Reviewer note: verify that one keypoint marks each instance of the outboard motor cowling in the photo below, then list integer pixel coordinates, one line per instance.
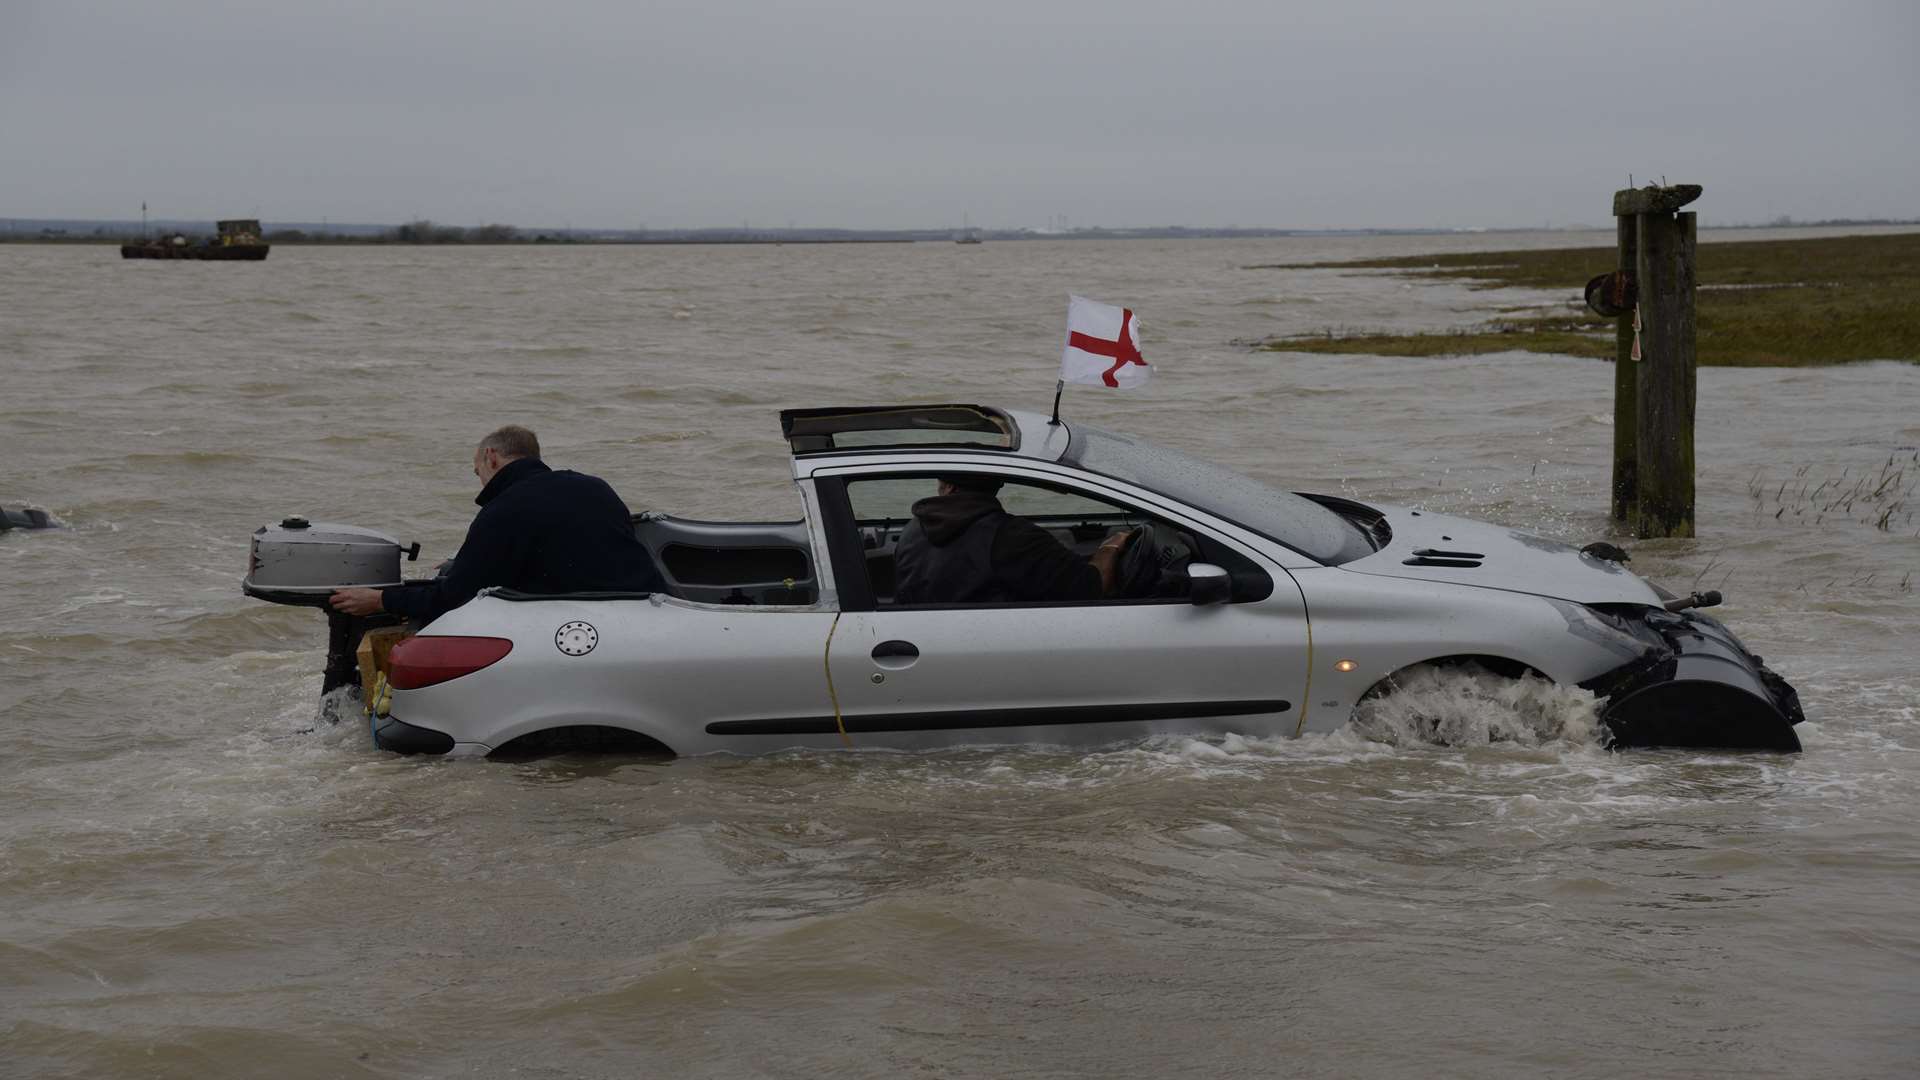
(301, 562)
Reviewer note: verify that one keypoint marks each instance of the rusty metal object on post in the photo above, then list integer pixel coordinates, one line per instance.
(1613, 294)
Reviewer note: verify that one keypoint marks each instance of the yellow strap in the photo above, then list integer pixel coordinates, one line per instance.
(831, 695)
(1306, 693)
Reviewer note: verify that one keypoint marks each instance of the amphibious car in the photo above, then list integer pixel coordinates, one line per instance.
(1240, 608)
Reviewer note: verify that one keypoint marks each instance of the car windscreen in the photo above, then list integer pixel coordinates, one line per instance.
(1301, 524)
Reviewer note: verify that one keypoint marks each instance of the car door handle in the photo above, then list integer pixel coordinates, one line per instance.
(895, 654)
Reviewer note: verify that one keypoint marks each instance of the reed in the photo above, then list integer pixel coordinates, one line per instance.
(1883, 498)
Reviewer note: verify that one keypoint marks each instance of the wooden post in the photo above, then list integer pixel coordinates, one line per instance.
(1665, 376)
(1626, 389)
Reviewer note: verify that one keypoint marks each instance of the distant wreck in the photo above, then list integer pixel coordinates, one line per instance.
(24, 519)
(238, 240)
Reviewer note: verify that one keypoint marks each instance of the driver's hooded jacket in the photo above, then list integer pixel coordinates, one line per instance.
(538, 531)
(964, 548)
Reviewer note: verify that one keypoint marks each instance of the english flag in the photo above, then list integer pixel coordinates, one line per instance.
(1103, 346)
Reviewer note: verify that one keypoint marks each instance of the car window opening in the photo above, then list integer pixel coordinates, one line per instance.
(746, 563)
(1080, 522)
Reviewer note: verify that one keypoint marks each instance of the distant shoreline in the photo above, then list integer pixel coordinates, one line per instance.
(1797, 302)
(429, 233)
(435, 235)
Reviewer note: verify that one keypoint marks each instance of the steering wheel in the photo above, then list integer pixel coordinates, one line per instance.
(1155, 563)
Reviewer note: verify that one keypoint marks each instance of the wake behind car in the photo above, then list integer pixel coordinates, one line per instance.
(1238, 608)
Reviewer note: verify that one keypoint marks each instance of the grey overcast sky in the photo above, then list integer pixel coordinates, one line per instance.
(896, 113)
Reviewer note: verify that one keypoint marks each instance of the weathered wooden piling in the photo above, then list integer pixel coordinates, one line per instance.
(1626, 386)
(1655, 379)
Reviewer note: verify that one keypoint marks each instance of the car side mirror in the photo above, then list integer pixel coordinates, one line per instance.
(1208, 584)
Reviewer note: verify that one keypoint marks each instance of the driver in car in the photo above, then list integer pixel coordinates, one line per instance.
(962, 547)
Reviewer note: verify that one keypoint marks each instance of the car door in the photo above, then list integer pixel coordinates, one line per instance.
(910, 677)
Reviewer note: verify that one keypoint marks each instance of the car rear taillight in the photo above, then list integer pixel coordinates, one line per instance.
(424, 661)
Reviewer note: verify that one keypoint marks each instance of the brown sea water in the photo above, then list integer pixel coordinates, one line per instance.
(197, 879)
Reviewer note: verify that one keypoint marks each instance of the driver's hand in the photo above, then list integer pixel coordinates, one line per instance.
(1106, 559)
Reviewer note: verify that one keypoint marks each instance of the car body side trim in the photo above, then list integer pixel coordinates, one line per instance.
(996, 718)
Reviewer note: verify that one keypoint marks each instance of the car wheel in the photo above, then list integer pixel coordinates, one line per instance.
(1470, 702)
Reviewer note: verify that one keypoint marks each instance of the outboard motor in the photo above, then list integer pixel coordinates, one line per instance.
(301, 563)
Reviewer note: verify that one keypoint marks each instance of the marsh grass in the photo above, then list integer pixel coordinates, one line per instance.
(1768, 303)
(1883, 498)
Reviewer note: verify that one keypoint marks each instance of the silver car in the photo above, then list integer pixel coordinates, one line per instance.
(1239, 609)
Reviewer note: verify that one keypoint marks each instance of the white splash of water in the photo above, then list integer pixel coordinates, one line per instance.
(343, 706)
(1471, 706)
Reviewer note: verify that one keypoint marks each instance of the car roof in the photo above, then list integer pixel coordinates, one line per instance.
(921, 429)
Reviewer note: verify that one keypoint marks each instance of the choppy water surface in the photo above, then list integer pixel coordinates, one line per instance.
(196, 880)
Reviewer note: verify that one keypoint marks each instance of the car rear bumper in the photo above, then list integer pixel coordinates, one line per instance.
(404, 738)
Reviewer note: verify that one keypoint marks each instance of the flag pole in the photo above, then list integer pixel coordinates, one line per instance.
(1058, 386)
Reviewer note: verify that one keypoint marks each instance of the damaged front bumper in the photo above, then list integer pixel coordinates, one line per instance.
(1695, 685)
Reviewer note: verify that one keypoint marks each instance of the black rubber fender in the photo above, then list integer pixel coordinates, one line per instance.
(1699, 713)
(1707, 691)
(403, 738)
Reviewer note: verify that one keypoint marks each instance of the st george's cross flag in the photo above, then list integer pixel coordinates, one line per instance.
(1103, 346)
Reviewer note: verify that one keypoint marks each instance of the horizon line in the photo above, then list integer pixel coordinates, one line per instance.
(325, 223)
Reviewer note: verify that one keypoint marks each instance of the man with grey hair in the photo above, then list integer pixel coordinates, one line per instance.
(538, 531)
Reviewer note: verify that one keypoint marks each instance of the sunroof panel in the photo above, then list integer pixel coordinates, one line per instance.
(814, 431)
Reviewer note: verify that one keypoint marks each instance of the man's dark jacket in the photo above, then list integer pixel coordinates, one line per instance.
(538, 531)
(965, 548)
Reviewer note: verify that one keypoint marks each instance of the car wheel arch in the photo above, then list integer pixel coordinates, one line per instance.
(590, 725)
(1503, 666)
(568, 738)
